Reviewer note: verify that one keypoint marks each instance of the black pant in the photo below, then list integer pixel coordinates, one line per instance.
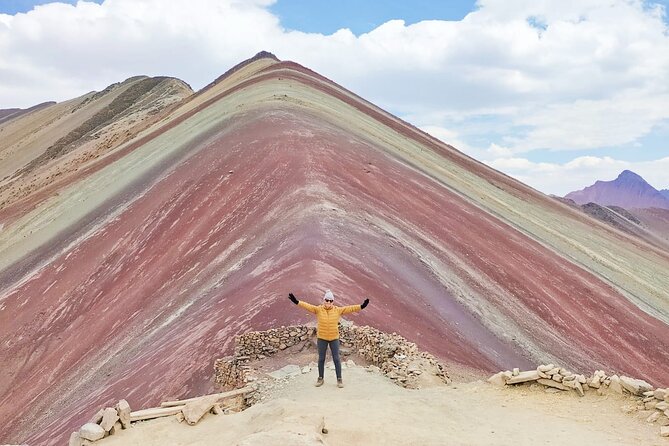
(322, 349)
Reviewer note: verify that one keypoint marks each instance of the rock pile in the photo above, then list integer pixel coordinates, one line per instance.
(231, 371)
(396, 357)
(556, 379)
(105, 422)
(111, 420)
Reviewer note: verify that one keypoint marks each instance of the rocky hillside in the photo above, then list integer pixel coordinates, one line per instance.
(41, 149)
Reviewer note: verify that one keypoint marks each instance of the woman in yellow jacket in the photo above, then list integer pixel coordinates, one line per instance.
(328, 330)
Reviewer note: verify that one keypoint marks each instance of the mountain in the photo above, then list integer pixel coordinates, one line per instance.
(12, 113)
(650, 225)
(152, 224)
(665, 193)
(628, 191)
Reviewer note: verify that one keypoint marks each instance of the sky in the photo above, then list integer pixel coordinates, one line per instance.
(555, 93)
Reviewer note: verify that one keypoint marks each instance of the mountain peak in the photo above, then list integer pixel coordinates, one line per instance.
(629, 190)
(628, 175)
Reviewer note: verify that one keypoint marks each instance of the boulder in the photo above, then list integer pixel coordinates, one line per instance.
(516, 371)
(574, 384)
(123, 409)
(522, 377)
(557, 378)
(551, 383)
(653, 417)
(663, 420)
(660, 394)
(635, 386)
(97, 417)
(109, 417)
(594, 382)
(498, 379)
(116, 428)
(195, 410)
(662, 406)
(553, 371)
(650, 405)
(75, 439)
(545, 368)
(615, 385)
(664, 431)
(92, 432)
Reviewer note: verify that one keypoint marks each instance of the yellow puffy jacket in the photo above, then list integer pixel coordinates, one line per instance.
(328, 320)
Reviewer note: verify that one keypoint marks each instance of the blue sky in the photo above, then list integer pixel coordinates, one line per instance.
(557, 94)
(326, 17)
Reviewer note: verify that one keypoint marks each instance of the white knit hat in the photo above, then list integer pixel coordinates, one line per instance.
(328, 295)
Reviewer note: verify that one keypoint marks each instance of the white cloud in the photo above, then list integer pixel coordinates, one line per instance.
(513, 76)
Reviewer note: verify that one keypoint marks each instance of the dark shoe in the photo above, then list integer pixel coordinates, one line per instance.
(319, 382)
(340, 383)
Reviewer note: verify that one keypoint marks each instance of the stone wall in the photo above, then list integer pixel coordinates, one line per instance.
(396, 357)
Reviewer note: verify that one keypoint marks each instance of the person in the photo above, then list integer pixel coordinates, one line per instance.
(328, 330)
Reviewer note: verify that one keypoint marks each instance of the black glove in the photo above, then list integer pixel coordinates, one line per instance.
(292, 298)
(364, 304)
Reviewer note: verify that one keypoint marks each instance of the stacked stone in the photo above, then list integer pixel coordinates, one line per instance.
(260, 344)
(105, 422)
(230, 371)
(658, 401)
(560, 379)
(396, 357)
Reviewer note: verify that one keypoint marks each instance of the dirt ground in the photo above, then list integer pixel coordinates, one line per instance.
(371, 410)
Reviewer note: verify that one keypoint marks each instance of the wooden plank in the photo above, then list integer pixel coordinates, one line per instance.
(154, 412)
(531, 375)
(222, 395)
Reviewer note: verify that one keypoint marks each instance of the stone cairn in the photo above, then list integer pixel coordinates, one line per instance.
(558, 379)
(392, 354)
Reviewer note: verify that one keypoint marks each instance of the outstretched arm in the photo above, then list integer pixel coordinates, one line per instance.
(310, 308)
(354, 308)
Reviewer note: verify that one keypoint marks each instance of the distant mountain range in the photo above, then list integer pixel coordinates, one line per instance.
(629, 191)
(11, 113)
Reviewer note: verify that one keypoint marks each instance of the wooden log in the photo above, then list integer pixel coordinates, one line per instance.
(220, 396)
(531, 375)
(154, 412)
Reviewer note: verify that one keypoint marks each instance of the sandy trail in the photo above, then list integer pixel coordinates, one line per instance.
(372, 410)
